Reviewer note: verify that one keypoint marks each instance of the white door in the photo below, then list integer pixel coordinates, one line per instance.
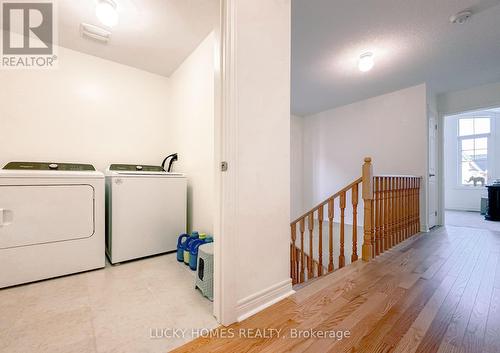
(432, 189)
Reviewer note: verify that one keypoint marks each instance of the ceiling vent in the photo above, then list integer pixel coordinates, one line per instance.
(461, 17)
(93, 32)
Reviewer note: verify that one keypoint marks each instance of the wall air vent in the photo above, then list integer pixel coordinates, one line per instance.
(96, 33)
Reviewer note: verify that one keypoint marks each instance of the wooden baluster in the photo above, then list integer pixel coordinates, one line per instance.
(355, 199)
(386, 214)
(392, 211)
(403, 208)
(367, 194)
(411, 207)
(302, 257)
(375, 212)
(320, 241)
(306, 265)
(297, 264)
(395, 211)
(330, 235)
(408, 204)
(378, 213)
(418, 204)
(342, 230)
(310, 223)
(408, 201)
(389, 212)
(292, 254)
(408, 208)
(415, 210)
(398, 210)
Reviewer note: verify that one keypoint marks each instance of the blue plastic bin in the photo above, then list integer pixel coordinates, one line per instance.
(187, 246)
(182, 243)
(193, 251)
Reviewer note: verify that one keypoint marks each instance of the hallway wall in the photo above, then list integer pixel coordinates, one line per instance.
(392, 129)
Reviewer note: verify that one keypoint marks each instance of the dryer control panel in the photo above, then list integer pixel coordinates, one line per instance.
(69, 167)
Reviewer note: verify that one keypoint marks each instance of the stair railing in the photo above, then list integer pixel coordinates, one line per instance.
(391, 206)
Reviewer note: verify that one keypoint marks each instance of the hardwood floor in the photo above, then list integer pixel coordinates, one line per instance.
(438, 292)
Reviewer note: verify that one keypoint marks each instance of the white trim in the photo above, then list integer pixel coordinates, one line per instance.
(226, 220)
(463, 209)
(256, 302)
(217, 307)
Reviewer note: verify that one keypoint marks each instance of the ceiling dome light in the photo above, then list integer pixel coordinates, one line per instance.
(106, 12)
(366, 62)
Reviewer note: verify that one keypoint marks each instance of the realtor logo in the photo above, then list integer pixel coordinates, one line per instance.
(28, 34)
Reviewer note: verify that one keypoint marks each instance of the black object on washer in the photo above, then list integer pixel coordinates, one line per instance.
(493, 210)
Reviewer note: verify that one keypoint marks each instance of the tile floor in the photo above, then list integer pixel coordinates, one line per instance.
(108, 310)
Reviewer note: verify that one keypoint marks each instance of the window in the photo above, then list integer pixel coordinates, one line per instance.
(473, 136)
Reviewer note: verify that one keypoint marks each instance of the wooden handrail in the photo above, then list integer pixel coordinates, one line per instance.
(334, 196)
(391, 205)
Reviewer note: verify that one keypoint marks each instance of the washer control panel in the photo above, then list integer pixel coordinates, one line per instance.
(135, 168)
(66, 167)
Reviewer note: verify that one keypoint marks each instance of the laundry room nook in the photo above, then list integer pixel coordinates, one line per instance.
(107, 180)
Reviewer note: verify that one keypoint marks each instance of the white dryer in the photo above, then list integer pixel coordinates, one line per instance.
(146, 211)
(51, 221)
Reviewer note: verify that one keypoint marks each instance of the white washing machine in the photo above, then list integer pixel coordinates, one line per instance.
(51, 221)
(146, 211)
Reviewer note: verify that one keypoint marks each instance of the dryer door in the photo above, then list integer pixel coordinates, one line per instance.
(38, 214)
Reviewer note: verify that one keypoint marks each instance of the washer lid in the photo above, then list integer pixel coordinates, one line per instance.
(135, 168)
(49, 170)
(139, 170)
(64, 167)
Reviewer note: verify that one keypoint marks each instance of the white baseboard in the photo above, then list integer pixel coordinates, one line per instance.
(256, 302)
(466, 209)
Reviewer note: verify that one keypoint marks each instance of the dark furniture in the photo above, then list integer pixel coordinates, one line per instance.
(493, 210)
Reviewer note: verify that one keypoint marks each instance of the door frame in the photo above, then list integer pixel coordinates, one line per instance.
(441, 117)
(432, 113)
(225, 126)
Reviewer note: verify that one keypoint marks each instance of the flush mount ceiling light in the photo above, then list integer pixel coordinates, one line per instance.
(461, 17)
(106, 12)
(366, 62)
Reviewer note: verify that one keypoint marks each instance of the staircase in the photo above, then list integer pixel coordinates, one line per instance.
(391, 214)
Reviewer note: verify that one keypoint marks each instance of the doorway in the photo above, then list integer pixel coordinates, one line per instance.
(470, 163)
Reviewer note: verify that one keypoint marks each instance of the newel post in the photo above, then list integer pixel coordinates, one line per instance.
(367, 193)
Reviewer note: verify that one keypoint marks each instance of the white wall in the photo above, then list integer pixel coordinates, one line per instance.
(192, 112)
(458, 197)
(486, 96)
(89, 110)
(391, 128)
(296, 167)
